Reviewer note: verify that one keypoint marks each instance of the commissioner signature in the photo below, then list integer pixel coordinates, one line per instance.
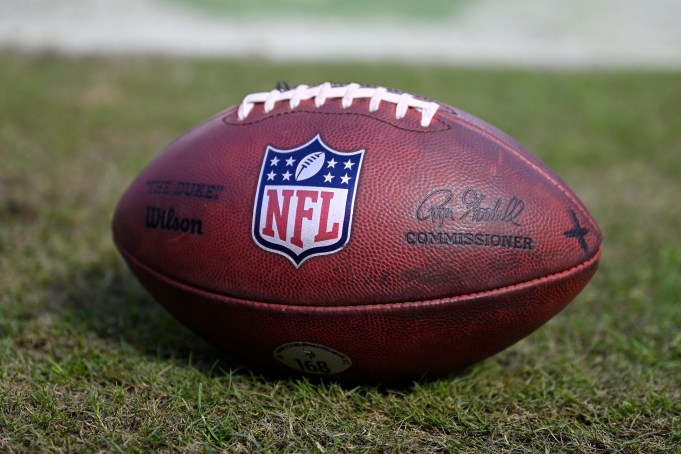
(438, 207)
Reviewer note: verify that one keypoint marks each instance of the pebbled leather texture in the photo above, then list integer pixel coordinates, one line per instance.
(461, 241)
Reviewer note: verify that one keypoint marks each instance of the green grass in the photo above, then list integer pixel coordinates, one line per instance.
(315, 10)
(90, 363)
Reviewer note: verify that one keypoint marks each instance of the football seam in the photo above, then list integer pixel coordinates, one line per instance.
(382, 306)
(444, 124)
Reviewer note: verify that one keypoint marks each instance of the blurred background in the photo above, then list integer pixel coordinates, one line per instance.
(519, 33)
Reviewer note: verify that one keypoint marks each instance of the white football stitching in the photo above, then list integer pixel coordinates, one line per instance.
(347, 94)
(310, 165)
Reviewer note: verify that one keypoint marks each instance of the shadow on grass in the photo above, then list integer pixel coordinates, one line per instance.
(105, 299)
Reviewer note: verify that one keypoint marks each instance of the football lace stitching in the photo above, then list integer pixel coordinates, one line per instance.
(346, 93)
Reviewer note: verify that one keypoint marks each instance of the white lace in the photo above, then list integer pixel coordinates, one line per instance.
(347, 94)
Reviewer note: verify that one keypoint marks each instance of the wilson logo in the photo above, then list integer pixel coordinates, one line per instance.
(305, 199)
(167, 219)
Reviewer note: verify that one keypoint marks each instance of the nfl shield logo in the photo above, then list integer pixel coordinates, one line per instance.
(305, 198)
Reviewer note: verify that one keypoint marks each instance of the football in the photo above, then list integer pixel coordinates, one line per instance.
(355, 232)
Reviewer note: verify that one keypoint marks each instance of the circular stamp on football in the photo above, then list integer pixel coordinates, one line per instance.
(312, 358)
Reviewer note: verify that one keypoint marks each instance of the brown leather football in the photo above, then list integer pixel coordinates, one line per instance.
(355, 232)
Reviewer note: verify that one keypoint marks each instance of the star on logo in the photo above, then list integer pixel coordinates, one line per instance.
(271, 175)
(274, 161)
(345, 179)
(328, 177)
(287, 175)
(290, 161)
(332, 163)
(577, 232)
(348, 164)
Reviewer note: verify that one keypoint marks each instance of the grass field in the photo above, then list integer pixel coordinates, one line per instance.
(407, 10)
(90, 363)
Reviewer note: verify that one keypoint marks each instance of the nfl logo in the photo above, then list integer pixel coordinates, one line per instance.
(305, 198)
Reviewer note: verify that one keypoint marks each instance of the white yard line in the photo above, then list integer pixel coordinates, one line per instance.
(545, 33)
